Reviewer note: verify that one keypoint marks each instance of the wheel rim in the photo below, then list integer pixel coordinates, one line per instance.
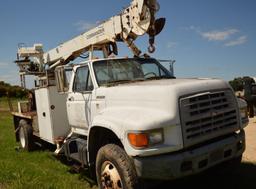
(22, 138)
(110, 178)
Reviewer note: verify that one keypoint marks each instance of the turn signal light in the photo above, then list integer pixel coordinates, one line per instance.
(138, 140)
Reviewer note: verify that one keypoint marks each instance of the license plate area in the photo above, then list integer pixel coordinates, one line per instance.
(216, 155)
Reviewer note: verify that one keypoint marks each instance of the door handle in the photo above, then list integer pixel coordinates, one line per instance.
(71, 98)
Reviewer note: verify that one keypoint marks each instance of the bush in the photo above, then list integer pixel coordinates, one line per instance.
(12, 91)
(237, 84)
(2, 91)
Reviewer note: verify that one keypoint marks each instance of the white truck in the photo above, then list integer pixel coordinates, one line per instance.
(127, 118)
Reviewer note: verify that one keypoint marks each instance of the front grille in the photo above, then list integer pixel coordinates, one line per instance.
(208, 115)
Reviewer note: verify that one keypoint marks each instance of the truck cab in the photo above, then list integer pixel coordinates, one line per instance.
(92, 82)
(180, 126)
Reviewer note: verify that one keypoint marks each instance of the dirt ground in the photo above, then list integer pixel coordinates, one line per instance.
(250, 152)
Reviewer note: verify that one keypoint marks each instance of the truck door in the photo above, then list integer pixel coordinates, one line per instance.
(79, 100)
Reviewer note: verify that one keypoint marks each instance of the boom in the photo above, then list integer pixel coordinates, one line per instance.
(136, 20)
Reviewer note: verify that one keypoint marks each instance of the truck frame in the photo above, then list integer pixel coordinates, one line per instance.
(127, 118)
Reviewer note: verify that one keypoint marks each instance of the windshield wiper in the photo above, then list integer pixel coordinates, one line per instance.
(159, 77)
(117, 82)
(121, 81)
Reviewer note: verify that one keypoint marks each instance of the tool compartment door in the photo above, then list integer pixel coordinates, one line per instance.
(52, 114)
(44, 114)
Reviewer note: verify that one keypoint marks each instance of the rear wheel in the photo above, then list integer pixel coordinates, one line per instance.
(115, 169)
(26, 136)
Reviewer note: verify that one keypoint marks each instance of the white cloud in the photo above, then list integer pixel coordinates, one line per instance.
(194, 28)
(85, 25)
(11, 77)
(227, 36)
(9, 72)
(214, 69)
(171, 45)
(239, 41)
(217, 35)
(4, 64)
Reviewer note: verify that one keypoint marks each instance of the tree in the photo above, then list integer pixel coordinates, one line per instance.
(237, 84)
(12, 91)
(2, 91)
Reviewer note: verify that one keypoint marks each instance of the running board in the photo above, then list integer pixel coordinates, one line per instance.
(60, 142)
(76, 149)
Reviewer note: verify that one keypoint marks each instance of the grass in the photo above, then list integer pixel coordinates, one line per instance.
(38, 169)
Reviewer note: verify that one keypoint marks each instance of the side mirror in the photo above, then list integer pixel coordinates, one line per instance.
(62, 80)
(90, 88)
(169, 65)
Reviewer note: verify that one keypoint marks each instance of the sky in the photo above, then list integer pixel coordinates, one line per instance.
(207, 38)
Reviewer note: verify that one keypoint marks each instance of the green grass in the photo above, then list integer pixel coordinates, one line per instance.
(4, 105)
(38, 169)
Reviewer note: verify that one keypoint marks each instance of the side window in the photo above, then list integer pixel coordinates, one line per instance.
(83, 80)
(150, 69)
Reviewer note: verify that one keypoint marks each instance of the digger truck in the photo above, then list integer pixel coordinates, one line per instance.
(127, 119)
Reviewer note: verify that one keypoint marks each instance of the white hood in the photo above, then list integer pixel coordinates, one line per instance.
(157, 98)
(155, 89)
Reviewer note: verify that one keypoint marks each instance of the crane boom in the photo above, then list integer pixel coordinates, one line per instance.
(134, 21)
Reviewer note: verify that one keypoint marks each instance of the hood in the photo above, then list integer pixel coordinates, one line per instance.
(155, 90)
(152, 103)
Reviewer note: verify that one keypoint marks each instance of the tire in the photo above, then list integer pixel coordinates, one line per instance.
(26, 136)
(114, 169)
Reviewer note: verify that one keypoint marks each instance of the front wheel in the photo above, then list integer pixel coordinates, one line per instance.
(114, 169)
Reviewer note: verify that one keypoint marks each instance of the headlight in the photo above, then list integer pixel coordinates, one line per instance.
(146, 139)
(243, 112)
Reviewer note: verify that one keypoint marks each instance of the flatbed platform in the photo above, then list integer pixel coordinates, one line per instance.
(27, 115)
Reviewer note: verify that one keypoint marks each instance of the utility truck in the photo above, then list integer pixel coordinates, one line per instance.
(127, 118)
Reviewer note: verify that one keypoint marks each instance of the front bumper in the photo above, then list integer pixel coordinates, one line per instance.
(179, 164)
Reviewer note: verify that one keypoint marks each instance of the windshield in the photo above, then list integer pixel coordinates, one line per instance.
(128, 70)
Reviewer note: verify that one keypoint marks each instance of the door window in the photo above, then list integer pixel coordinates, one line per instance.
(83, 80)
(151, 70)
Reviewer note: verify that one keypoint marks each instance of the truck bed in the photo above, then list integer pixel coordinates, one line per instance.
(27, 115)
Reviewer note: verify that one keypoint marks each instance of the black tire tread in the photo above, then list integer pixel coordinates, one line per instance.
(124, 164)
(28, 132)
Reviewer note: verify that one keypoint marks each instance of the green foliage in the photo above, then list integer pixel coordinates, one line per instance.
(237, 84)
(38, 169)
(12, 91)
